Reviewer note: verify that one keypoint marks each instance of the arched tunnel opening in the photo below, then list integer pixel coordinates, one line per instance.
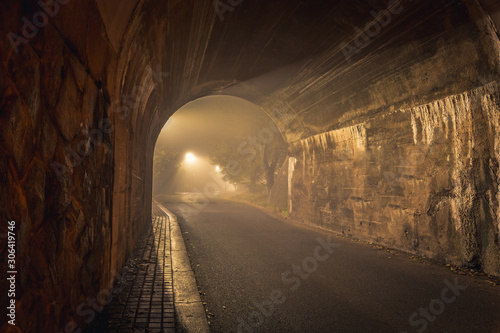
(219, 147)
(380, 211)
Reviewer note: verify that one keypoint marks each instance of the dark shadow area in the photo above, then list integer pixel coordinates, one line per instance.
(142, 298)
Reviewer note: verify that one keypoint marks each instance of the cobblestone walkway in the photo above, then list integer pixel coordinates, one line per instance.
(143, 298)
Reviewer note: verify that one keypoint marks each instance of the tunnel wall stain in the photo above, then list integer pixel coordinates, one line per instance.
(423, 179)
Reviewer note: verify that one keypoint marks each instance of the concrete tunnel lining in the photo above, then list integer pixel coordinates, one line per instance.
(436, 73)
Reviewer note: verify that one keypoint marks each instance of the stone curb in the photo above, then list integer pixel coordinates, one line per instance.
(189, 310)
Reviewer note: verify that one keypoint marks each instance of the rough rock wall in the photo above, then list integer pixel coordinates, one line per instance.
(423, 179)
(415, 59)
(403, 178)
(57, 161)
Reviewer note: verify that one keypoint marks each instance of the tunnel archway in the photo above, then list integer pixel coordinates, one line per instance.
(85, 96)
(209, 123)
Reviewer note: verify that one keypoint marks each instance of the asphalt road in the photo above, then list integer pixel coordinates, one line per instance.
(260, 274)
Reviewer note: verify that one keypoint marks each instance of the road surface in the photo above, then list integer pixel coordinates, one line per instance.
(260, 274)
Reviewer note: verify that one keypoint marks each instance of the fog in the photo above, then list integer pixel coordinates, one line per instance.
(188, 139)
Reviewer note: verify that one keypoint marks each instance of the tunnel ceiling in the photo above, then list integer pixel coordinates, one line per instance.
(286, 56)
(283, 57)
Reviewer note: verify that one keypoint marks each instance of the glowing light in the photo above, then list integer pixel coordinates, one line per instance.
(217, 168)
(190, 158)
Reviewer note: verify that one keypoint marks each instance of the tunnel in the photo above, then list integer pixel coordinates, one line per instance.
(389, 111)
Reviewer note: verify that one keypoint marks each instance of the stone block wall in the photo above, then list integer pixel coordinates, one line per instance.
(56, 165)
(423, 179)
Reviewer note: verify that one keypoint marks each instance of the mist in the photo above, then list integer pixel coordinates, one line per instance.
(188, 140)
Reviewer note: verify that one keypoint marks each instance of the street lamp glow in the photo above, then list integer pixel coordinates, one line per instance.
(190, 158)
(217, 168)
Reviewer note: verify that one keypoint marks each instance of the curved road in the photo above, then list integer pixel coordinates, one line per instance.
(260, 274)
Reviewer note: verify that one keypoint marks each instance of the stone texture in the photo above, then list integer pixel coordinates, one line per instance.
(34, 188)
(67, 114)
(369, 133)
(47, 141)
(417, 179)
(17, 133)
(51, 64)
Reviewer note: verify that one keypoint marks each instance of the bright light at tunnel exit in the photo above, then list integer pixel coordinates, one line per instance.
(190, 158)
